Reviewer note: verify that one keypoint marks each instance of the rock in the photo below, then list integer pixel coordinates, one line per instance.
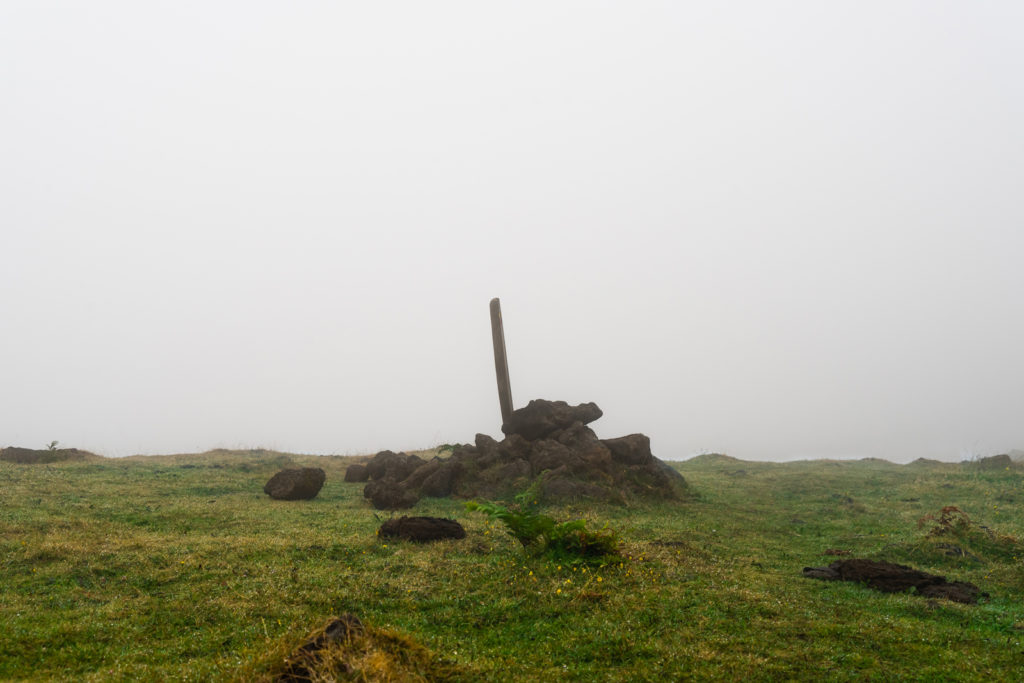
(892, 578)
(540, 418)
(386, 494)
(422, 529)
(296, 484)
(548, 454)
(439, 483)
(394, 466)
(357, 473)
(421, 473)
(576, 436)
(634, 449)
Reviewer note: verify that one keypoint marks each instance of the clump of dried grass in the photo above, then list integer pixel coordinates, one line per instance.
(345, 649)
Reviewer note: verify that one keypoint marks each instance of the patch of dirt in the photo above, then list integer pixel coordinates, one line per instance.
(546, 441)
(31, 456)
(888, 577)
(348, 649)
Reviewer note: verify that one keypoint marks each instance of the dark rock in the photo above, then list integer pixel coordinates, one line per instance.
(514, 447)
(295, 484)
(386, 494)
(891, 578)
(550, 455)
(517, 469)
(422, 529)
(357, 473)
(420, 474)
(634, 449)
(540, 418)
(440, 483)
(378, 464)
(394, 466)
(485, 444)
(576, 436)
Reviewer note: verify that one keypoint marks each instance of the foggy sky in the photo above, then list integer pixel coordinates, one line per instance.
(772, 229)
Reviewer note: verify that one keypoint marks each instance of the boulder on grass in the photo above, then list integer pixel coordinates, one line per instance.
(357, 473)
(296, 484)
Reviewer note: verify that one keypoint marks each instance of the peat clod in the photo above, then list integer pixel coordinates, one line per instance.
(32, 456)
(301, 483)
(421, 529)
(546, 441)
(893, 578)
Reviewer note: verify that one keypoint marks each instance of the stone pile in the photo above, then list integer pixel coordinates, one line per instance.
(546, 441)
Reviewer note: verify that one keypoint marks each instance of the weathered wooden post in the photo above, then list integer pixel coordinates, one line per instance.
(501, 361)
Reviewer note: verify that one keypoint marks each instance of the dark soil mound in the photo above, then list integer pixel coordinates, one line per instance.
(546, 441)
(893, 578)
(422, 529)
(29, 456)
(295, 484)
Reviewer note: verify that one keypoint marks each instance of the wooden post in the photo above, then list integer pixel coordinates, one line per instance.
(501, 361)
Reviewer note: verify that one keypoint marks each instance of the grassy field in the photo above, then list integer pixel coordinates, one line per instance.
(180, 568)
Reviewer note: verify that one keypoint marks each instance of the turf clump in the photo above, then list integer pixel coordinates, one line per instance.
(346, 649)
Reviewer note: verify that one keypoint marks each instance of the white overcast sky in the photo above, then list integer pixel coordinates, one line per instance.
(772, 229)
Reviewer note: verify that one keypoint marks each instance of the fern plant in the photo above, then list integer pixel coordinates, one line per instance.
(544, 535)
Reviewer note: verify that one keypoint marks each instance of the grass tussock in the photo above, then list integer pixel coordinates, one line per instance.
(345, 649)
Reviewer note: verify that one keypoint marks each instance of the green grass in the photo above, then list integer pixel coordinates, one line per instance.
(180, 568)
